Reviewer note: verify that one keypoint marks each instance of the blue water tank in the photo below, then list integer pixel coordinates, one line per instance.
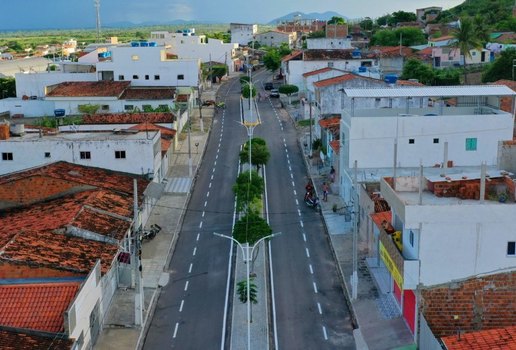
(390, 78)
(59, 112)
(153, 44)
(135, 44)
(144, 44)
(356, 54)
(362, 69)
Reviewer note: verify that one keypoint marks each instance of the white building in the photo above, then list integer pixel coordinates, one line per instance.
(147, 66)
(328, 43)
(298, 63)
(193, 46)
(425, 131)
(274, 38)
(242, 33)
(129, 151)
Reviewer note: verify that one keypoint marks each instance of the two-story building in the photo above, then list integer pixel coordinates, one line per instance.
(275, 38)
(242, 33)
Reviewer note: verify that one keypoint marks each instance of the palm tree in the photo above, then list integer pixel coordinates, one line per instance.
(466, 40)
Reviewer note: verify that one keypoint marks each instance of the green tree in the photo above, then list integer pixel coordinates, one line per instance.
(288, 90)
(383, 20)
(251, 228)
(449, 76)
(244, 79)
(272, 60)
(242, 291)
(366, 24)
(7, 87)
(247, 192)
(284, 50)
(480, 29)
(218, 71)
(466, 40)
(259, 152)
(317, 34)
(415, 69)
(248, 90)
(336, 20)
(501, 68)
(401, 16)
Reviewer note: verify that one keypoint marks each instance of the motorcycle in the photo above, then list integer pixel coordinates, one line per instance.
(150, 234)
(313, 202)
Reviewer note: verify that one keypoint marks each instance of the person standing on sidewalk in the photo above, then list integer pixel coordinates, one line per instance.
(325, 189)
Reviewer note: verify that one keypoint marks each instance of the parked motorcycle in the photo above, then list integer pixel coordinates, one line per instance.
(313, 202)
(151, 233)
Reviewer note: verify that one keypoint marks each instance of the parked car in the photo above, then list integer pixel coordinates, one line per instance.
(274, 93)
(268, 86)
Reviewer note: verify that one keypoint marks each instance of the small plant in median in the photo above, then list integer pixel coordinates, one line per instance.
(247, 192)
(242, 291)
(259, 152)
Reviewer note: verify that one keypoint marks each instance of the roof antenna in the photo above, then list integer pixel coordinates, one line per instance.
(97, 7)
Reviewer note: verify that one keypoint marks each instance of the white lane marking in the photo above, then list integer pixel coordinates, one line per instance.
(319, 307)
(208, 194)
(175, 330)
(209, 186)
(194, 251)
(289, 168)
(284, 141)
(299, 212)
(211, 177)
(304, 237)
(181, 306)
(307, 252)
(292, 176)
(297, 202)
(324, 332)
(311, 269)
(190, 268)
(315, 288)
(186, 286)
(288, 161)
(205, 203)
(198, 235)
(287, 156)
(293, 184)
(301, 223)
(200, 224)
(217, 156)
(203, 213)
(213, 170)
(215, 163)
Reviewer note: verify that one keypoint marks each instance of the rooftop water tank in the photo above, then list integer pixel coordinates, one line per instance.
(390, 78)
(59, 112)
(153, 44)
(356, 54)
(135, 44)
(362, 69)
(144, 44)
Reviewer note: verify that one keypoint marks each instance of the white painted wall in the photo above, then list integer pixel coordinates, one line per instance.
(295, 70)
(275, 38)
(462, 240)
(29, 108)
(34, 84)
(242, 33)
(128, 61)
(143, 155)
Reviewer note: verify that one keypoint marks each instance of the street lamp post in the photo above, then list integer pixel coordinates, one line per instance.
(250, 123)
(247, 256)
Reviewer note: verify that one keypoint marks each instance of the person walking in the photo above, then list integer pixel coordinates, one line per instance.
(325, 189)
(332, 174)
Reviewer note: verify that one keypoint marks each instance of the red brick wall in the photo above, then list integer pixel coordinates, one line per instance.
(33, 188)
(9, 270)
(336, 31)
(481, 303)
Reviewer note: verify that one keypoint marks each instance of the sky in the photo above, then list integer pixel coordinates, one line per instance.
(41, 14)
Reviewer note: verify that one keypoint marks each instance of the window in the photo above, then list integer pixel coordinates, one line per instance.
(411, 238)
(180, 77)
(47, 154)
(436, 140)
(7, 156)
(135, 76)
(156, 77)
(135, 57)
(511, 248)
(105, 107)
(330, 64)
(471, 144)
(120, 154)
(128, 107)
(85, 155)
(121, 77)
(146, 77)
(411, 141)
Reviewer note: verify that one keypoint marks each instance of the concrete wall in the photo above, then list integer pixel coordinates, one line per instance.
(27, 108)
(242, 33)
(107, 105)
(130, 61)
(328, 43)
(34, 84)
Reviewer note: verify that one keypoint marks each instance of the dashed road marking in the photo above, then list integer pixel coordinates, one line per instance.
(181, 306)
(319, 308)
(307, 252)
(186, 286)
(190, 268)
(324, 332)
(198, 235)
(304, 237)
(311, 269)
(194, 251)
(175, 330)
(315, 288)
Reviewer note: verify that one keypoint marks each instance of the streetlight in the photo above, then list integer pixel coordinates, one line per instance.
(250, 123)
(247, 256)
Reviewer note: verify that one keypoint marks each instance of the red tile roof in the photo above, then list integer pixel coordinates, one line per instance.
(335, 80)
(324, 55)
(167, 134)
(327, 123)
(335, 145)
(318, 71)
(509, 83)
(380, 217)
(16, 339)
(442, 38)
(38, 306)
(89, 89)
(148, 94)
(129, 118)
(493, 339)
(293, 54)
(389, 51)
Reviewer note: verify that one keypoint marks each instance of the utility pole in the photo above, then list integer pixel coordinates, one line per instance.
(136, 259)
(310, 107)
(97, 8)
(354, 277)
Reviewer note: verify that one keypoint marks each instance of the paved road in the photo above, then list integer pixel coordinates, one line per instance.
(311, 309)
(191, 308)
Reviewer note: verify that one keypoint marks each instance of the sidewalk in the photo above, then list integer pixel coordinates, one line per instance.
(119, 329)
(379, 323)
